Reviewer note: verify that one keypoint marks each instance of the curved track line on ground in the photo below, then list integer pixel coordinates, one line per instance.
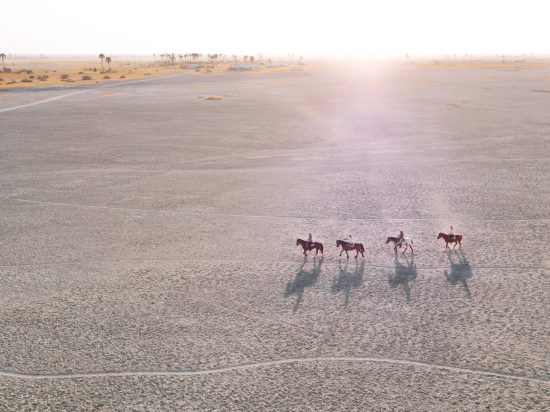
(251, 216)
(191, 372)
(51, 99)
(88, 89)
(235, 261)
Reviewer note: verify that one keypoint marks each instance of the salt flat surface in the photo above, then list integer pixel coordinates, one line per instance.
(148, 257)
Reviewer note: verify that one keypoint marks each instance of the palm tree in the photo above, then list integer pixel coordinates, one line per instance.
(194, 56)
(251, 59)
(101, 56)
(108, 60)
(3, 56)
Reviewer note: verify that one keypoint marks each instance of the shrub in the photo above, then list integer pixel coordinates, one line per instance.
(87, 77)
(31, 77)
(64, 76)
(7, 70)
(147, 74)
(12, 82)
(26, 81)
(106, 77)
(1, 80)
(80, 72)
(95, 70)
(122, 77)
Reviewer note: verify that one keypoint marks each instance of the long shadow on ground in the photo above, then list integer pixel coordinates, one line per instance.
(460, 270)
(404, 274)
(302, 280)
(348, 280)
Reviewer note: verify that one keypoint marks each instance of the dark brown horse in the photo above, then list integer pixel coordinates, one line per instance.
(310, 246)
(456, 240)
(358, 247)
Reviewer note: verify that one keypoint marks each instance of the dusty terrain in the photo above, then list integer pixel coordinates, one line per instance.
(148, 257)
(40, 72)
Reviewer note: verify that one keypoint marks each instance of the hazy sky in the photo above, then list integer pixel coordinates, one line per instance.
(332, 27)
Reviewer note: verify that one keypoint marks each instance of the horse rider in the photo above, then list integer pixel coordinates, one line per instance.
(310, 241)
(349, 240)
(452, 234)
(400, 238)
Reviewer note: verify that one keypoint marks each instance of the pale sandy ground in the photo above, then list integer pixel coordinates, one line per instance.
(48, 71)
(147, 254)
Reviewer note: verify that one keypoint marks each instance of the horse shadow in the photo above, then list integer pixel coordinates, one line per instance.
(461, 270)
(404, 274)
(302, 280)
(348, 280)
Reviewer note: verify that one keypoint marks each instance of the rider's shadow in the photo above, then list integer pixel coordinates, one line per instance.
(303, 279)
(461, 270)
(404, 274)
(348, 280)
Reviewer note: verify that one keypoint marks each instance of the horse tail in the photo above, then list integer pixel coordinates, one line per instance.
(412, 242)
(321, 248)
(362, 247)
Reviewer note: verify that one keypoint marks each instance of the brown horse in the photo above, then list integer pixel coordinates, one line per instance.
(358, 247)
(457, 239)
(307, 246)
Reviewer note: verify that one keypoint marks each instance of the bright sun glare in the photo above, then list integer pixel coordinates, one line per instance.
(339, 28)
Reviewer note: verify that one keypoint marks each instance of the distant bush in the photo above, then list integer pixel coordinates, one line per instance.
(64, 77)
(1, 80)
(26, 81)
(87, 77)
(95, 70)
(147, 74)
(7, 70)
(80, 72)
(122, 77)
(31, 77)
(106, 77)
(11, 82)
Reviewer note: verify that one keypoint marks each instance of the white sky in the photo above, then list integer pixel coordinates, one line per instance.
(341, 28)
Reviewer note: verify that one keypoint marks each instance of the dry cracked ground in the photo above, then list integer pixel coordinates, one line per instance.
(148, 256)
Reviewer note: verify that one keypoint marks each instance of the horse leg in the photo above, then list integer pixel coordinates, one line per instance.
(459, 245)
(341, 252)
(406, 246)
(395, 249)
(347, 255)
(446, 245)
(356, 253)
(454, 245)
(412, 251)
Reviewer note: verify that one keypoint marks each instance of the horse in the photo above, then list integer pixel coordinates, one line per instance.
(399, 242)
(307, 247)
(447, 239)
(358, 247)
